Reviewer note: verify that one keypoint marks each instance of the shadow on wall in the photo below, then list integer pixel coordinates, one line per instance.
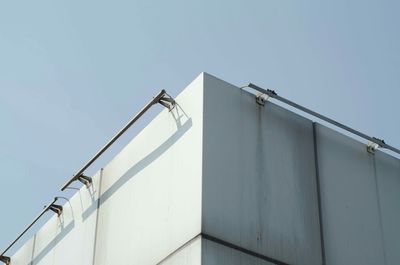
(182, 128)
(64, 231)
(147, 160)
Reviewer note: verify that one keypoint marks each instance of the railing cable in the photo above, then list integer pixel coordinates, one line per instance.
(273, 94)
(162, 98)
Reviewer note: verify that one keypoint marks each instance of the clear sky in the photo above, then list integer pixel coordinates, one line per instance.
(73, 72)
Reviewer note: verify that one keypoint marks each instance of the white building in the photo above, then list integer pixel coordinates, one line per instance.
(221, 179)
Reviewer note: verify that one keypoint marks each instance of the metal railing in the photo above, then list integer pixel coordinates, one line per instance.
(167, 101)
(52, 206)
(273, 94)
(161, 98)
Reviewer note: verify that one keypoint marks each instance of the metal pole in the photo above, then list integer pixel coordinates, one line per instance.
(155, 100)
(162, 97)
(272, 94)
(45, 209)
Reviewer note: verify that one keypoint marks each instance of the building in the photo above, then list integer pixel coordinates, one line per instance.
(221, 179)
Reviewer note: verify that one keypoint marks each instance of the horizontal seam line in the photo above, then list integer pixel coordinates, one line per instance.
(178, 249)
(243, 250)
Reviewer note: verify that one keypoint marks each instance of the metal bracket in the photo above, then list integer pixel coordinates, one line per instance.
(167, 101)
(261, 98)
(372, 146)
(5, 260)
(56, 208)
(85, 180)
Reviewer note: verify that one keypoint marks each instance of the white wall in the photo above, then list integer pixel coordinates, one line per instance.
(259, 177)
(25, 254)
(142, 206)
(221, 166)
(150, 201)
(359, 200)
(68, 239)
(388, 195)
(188, 254)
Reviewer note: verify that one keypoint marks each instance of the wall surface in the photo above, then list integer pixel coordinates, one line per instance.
(215, 254)
(150, 202)
(259, 177)
(68, 239)
(143, 205)
(223, 180)
(359, 201)
(188, 254)
(202, 251)
(293, 190)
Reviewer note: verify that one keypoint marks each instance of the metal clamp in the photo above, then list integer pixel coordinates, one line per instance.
(372, 146)
(85, 180)
(261, 98)
(6, 260)
(167, 101)
(56, 208)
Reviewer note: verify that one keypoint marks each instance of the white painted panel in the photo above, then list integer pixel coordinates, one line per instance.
(188, 254)
(388, 179)
(259, 177)
(150, 200)
(350, 215)
(24, 255)
(202, 251)
(45, 241)
(70, 238)
(77, 235)
(248, 178)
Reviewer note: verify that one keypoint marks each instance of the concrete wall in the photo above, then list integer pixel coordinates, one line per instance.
(68, 239)
(188, 254)
(24, 255)
(223, 180)
(215, 254)
(150, 201)
(359, 201)
(142, 206)
(203, 251)
(259, 177)
(388, 196)
(294, 190)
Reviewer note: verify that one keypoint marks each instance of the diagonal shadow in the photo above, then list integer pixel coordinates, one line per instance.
(181, 130)
(64, 231)
(147, 160)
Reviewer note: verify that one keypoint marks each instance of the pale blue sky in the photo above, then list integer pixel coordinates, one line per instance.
(73, 72)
